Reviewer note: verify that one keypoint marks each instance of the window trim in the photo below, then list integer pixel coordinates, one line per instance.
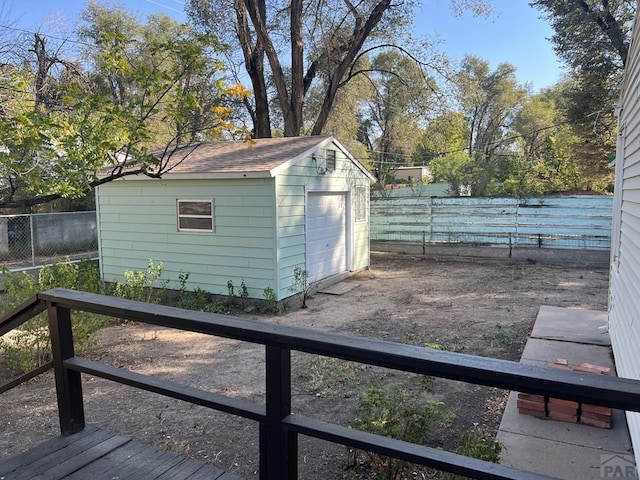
(330, 160)
(360, 194)
(195, 200)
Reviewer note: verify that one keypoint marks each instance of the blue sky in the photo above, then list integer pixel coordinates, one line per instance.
(513, 34)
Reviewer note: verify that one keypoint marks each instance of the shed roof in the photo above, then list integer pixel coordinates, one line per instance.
(264, 157)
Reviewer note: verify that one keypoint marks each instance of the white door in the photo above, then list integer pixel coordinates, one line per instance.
(326, 234)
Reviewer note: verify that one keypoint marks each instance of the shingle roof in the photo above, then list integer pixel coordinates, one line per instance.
(260, 155)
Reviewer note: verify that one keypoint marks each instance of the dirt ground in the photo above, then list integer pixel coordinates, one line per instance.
(484, 309)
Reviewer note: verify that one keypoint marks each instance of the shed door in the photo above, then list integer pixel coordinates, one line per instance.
(326, 234)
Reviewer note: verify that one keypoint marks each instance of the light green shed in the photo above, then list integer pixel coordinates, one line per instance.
(242, 212)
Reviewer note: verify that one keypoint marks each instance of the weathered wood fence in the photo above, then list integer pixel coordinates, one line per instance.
(581, 222)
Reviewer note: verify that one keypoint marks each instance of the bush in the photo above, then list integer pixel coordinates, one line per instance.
(140, 285)
(393, 411)
(28, 346)
(476, 445)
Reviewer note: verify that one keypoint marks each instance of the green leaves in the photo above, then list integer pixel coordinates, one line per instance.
(150, 87)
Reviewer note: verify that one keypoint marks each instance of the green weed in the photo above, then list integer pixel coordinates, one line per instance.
(332, 378)
(271, 300)
(395, 412)
(141, 285)
(29, 346)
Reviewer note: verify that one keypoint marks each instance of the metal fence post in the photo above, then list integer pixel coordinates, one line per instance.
(278, 448)
(68, 382)
(33, 243)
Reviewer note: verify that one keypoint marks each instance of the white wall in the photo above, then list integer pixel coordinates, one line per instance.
(624, 301)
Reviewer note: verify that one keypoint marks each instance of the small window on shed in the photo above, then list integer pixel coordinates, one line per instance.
(331, 160)
(361, 204)
(195, 215)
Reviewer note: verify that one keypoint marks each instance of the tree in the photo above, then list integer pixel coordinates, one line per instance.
(590, 35)
(323, 39)
(446, 133)
(62, 132)
(390, 120)
(592, 38)
(459, 169)
(536, 121)
(547, 156)
(490, 101)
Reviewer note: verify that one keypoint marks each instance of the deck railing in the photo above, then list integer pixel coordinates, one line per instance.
(278, 426)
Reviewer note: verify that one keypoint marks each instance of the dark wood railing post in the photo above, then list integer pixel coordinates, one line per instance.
(68, 382)
(278, 448)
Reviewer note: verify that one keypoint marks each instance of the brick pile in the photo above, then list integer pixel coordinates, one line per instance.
(567, 410)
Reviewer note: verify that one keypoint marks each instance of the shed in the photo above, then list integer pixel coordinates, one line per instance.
(624, 301)
(242, 212)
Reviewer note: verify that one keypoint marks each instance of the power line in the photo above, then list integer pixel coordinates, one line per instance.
(497, 142)
(46, 35)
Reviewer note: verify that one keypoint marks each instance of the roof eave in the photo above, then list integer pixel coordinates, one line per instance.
(202, 176)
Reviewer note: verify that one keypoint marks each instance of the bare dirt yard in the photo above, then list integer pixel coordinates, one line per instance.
(483, 309)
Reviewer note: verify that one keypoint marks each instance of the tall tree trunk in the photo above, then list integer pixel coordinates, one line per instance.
(335, 81)
(39, 48)
(257, 12)
(297, 66)
(253, 53)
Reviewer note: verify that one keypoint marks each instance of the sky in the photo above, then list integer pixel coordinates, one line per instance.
(514, 33)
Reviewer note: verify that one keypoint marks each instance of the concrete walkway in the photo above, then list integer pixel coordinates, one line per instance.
(568, 451)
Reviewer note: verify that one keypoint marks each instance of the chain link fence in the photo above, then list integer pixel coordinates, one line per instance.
(45, 238)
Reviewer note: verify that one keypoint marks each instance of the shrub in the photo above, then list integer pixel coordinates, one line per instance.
(395, 412)
(141, 285)
(271, 299)
(476, 445)
(28, 346)
(300, 284)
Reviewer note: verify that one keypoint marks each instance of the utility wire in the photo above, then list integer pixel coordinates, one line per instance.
(497, 142)
(46, 35)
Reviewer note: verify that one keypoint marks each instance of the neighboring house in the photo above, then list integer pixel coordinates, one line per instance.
(242, 212)
(624, 301)
(413, 174)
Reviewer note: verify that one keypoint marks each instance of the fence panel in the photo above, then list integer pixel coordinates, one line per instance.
(572, 222)
(38, 239)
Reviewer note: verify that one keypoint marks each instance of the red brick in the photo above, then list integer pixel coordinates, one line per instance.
(596, 416)
(561, 409)
(531, 398)
(601, 369)
(596, 423)
(561, 361)
(531, 405)
(586, 408)
(563, 403)
(588, 368)
(533, 413)
(563, 417)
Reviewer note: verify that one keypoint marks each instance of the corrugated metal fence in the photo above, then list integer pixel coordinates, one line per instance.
(573, 222)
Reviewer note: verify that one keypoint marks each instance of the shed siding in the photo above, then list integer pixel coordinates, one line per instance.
(291, 188)
(241, 248)
(624, 303)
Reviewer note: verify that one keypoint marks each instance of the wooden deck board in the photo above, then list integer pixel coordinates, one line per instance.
(100, 455)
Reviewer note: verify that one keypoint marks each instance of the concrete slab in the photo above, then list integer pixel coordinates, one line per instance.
(567, 451)
(541, 352)
(549, 457)
(571, 325)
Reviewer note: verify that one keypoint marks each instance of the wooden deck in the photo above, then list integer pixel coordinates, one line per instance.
(97, 454)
